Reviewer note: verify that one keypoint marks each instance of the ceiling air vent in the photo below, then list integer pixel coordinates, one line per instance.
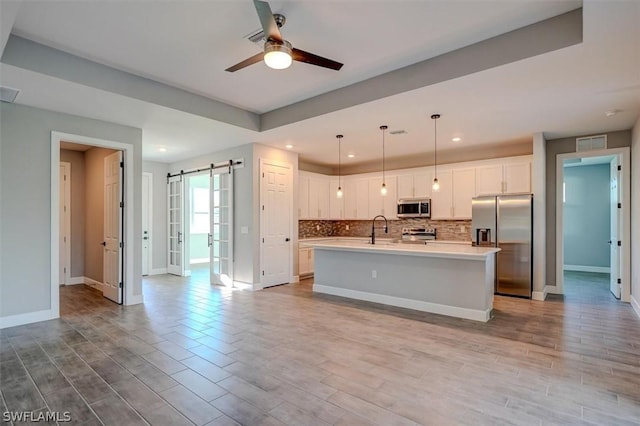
(7, 94)
(590, 143)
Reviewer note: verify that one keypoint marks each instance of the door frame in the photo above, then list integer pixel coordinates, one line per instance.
(625, 225)
(292, 217)
(149, 176)
(128, 223)
(67, 223)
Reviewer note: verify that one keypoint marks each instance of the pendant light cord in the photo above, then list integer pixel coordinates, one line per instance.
(383, 128)
(435, 117)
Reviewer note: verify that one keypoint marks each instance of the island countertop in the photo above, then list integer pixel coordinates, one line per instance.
(431, 249)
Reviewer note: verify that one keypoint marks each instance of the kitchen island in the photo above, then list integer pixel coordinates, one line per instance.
(448, 279)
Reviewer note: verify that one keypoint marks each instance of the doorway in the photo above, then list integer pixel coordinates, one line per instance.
(593, 224)
(113, 163)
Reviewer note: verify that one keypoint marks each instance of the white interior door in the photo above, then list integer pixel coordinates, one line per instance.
(275, 223)
(175, 217)
(221, 234)
(615, 229)
(147, 182)
(65, 222)
(112, 258)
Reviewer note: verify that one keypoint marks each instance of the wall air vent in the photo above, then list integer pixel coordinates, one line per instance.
(398, 132)
(590, 143)
(7, 94)
(256, 37)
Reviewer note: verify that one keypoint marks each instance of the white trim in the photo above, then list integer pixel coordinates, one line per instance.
(150, 222)
(587, 268)
(245, 286)
(296, 279)
(92, 282)
(67, 223)
(199, 260)
(540, 295)
(625, 183)
(635, 305)
(129, 171)
(158, 271)
(552, 289)
(136, 299)
(20, 319)
(419, 305)
(76, 280)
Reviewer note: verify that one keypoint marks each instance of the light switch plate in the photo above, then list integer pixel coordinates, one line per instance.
(244, 229)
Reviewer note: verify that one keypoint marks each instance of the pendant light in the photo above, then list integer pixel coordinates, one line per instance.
(383, 188)
(339, 192)
(436, 184)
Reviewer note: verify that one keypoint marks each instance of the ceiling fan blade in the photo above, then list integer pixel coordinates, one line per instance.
(249, 61)
(310, 58)
(269, 26)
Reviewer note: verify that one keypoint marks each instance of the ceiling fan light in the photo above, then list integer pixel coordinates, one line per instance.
(277, 55)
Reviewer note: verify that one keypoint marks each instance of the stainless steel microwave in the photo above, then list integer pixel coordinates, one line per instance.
(414, 207)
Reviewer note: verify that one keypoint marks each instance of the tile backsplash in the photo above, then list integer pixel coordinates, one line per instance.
(455, 230)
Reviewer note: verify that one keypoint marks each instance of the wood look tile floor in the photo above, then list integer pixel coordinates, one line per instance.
(200, 354)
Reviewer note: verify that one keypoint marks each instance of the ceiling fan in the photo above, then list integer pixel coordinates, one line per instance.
(278, 52)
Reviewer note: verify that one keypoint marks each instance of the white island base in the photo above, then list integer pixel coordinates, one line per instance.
(457, 281)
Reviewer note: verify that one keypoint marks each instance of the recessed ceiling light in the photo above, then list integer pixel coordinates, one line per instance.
(457, 139)
(351, 155)
(162, 149)
(288, 146)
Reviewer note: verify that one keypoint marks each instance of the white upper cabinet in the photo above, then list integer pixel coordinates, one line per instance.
(385, 205)
(416, 185)
(303, 197)
(442, 200)
(405, 186)
(503, 179)
(362, 199)
(464, 184)
(336, 205)
(517, 177)
(349, 197)
(318, 198)
(489, 180)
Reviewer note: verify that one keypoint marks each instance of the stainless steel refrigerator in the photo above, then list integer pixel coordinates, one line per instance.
(506, 221)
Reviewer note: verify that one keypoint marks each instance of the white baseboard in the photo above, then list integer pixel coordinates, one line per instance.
(93, 283)
(28, 318)
(76, 280)
(540, 295)
(419, 305)
(243, 286)
(200, 260)
(295, 279)
(552, 289)
(635, 305)
(585, 268)
(136, 299)
(158, 271)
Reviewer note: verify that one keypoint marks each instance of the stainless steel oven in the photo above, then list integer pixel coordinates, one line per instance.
(414, 207)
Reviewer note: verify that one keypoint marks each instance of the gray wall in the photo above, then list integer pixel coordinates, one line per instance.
(25, 185)
(76, 158)
(159, 214)
(635, 215)
(587, 215)
(617, 139)
(94, 212)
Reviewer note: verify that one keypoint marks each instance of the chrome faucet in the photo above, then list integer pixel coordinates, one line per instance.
(373, 228)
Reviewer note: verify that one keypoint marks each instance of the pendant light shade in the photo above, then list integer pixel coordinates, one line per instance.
(383, 188)
(339, 192)
(436, 184)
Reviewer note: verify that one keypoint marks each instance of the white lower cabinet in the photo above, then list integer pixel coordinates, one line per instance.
(305, 261)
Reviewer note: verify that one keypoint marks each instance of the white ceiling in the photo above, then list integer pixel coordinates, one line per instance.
(189, 44)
